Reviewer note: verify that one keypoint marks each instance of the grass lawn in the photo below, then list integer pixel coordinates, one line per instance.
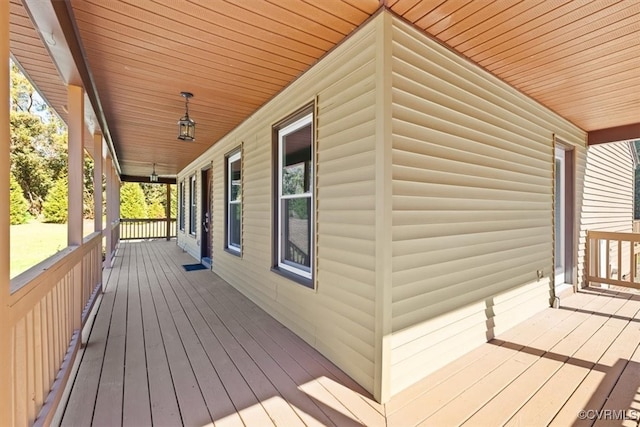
(36, 241)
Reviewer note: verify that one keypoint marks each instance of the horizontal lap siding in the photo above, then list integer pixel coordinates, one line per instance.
(607, 203)
(472, 205)
(338, 318)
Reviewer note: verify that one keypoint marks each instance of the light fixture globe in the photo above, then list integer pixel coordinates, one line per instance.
(186, 126)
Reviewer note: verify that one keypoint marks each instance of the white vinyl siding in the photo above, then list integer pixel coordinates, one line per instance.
(472, 205)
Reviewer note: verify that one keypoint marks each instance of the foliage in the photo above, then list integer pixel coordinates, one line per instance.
(132, 201)
(23, 95)
(18, 213)
(636, 198)
(173, 209)
(157, 194)
(293, 182)
(88, 205)
(156, 210)
(38, 142)
(56, 205)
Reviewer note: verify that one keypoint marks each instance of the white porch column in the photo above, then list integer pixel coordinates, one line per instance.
(75, 103)
(98, 160)
(5, 135)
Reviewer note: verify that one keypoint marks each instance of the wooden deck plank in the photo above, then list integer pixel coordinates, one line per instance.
(530, 330)
(193, 350)
(547, 402)
(479, 382)
(278, 409)
(597, 385)
(495, 377)
(193, 408)
(623, 402)
(162, 395)
(136, 406)
(505, 404)
(289, 359)
(359, 402)
(370, 412)
(81, 403)
(283, 371)
(108, 407)
(215, 396)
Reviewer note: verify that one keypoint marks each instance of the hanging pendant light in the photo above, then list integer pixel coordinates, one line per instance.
(154, 176)
(186, 126)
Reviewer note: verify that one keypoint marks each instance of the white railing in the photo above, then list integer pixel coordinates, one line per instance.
(611, 258)
(47, 309)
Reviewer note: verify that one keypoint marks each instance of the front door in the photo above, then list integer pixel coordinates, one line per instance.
(206, 218)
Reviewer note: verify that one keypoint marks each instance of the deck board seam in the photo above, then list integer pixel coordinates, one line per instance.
(215, 334)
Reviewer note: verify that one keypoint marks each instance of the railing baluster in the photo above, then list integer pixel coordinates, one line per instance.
(149, 228)
(619, 259)
(594, 258)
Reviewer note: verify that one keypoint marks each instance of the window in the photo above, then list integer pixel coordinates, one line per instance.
(192, 210)
(234, 202)
(295, 199)
(182, 206)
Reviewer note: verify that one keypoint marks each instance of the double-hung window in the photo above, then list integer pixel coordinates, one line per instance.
(182, 206)
(234, 202)
(295, 198)
(192, 210)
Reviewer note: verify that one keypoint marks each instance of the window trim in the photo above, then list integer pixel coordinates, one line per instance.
(230, 158)
(304, 117)
(182, 211)
(193, 206)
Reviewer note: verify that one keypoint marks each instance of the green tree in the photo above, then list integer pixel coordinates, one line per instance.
(56, 205)
(156, 210)
(636, 198)
(17, 203)
(132, 201)
(157, 194)
(174, 201)
(88, 205)
(38, 142)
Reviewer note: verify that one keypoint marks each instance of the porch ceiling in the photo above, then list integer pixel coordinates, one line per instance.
(579, 58)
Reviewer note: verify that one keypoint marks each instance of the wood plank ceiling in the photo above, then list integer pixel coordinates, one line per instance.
(580, 58)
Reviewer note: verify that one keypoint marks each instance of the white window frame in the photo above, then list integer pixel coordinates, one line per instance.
(230, 160)
(193, 213)
(288, 266)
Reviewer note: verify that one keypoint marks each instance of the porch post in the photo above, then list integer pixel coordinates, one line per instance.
(168, 212)
(109, 194)
(97, 181)
(75, 102)
(5, 137)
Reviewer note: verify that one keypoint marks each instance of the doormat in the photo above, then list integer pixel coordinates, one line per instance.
(193, 267)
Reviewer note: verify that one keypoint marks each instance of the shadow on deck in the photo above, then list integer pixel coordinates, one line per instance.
(170, 347)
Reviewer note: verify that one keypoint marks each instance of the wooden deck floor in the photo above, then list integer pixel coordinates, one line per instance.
(170, 347)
